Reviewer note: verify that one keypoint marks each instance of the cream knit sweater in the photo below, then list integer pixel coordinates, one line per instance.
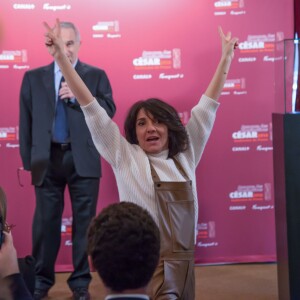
(131, 164)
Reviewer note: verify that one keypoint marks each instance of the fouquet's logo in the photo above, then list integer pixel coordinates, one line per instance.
(48, 6)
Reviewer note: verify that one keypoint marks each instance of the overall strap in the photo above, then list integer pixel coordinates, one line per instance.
(156, 178)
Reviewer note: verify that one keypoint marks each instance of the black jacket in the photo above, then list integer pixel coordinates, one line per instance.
(37, 109)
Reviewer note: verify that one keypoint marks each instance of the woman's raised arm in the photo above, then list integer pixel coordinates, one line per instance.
(216, 85)
(55, 46)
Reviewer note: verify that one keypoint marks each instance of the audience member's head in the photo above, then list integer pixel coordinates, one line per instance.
(124, 244)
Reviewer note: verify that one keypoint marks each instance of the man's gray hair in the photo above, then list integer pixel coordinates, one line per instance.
(72, 26)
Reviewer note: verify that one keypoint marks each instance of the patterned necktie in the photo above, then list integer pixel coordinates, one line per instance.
(61, 128)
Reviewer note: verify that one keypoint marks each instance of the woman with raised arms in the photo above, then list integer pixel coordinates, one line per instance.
(155, 163)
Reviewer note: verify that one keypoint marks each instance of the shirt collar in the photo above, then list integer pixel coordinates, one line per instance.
(56, 67)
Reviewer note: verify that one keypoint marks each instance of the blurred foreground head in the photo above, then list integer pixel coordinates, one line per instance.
(124, 244)
(3, 204)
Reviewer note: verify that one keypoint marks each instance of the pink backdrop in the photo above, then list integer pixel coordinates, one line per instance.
(167, 49)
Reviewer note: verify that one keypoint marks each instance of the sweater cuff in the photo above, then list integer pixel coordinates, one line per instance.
(206, 101)
(91, 106)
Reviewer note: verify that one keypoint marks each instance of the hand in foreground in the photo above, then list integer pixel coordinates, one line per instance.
(8, 257)
(228, 44)
(65, 92)
(53, 40)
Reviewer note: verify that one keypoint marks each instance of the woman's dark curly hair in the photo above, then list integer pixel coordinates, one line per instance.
(164, 113)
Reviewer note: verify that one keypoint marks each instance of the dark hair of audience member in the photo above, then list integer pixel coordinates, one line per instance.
(124, 243)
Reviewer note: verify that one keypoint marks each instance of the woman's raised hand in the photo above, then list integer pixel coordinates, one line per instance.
(228, 44)
(53, 40)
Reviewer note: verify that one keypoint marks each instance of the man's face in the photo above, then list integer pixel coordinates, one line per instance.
(72, 45)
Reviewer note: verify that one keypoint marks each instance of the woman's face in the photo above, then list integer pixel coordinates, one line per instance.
(152, 135)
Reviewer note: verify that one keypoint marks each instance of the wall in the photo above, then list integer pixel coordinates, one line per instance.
(167, 49)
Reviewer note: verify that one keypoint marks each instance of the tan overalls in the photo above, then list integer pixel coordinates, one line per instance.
(174, 276)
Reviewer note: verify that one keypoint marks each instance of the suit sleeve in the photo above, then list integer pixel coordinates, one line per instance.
(25, 123)
(104, 94)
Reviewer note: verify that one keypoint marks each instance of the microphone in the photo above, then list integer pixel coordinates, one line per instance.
(66, 100)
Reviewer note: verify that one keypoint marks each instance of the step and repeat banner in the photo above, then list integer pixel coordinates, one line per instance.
(167, 49)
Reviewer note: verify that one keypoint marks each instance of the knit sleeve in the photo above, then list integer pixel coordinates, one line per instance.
(200, 126)
(105, 134)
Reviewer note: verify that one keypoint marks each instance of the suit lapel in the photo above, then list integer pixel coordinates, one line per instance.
(48, 81)
(80, 69)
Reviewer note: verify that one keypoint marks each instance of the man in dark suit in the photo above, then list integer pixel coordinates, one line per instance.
(56, 146)
(123, 247)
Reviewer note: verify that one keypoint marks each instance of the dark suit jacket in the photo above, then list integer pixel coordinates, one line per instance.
(13, 287)
(37, 109)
